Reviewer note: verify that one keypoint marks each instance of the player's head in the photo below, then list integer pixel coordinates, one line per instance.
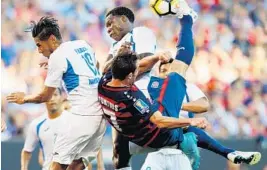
(124, 68)
(46, 35)
(119, 21)
(54, 105)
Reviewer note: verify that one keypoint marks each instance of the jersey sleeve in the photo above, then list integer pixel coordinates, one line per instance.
(144, 41)
(31, 138)
(194, 92)
(57, 66)
(141, 105)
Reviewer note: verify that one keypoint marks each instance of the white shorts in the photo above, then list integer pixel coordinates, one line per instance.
(78, 137)
(167, 159)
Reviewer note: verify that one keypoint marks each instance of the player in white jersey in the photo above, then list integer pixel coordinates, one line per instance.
(42, 131)
(120, 27)
(80, 134)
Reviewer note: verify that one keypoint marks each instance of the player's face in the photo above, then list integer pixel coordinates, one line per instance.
(54, 105)
(117, 26)
(164, 70)
(44, 47)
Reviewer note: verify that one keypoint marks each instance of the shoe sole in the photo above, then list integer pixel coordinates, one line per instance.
(253, 159)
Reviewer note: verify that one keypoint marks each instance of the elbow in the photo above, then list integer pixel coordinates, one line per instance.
(157, 120)
(160, 124)
(206, 105)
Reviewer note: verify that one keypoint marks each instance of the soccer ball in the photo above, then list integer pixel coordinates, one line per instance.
(163, 7)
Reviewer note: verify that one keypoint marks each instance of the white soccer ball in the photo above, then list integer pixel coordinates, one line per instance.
(163, 7)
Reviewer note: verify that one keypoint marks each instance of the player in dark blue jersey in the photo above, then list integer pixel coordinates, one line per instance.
(131, 114)
(170, 80)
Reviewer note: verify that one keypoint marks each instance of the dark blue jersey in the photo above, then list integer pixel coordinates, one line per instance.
(168, 94)
(129, 112)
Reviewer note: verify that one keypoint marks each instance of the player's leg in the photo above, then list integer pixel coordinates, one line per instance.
(185, 46)
(207, 142)
(121, 155)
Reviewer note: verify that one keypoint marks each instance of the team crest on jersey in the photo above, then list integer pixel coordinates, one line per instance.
(155, 84)
(141, 106)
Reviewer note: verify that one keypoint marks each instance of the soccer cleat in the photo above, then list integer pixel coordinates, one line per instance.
(250, 158)
(182, 8)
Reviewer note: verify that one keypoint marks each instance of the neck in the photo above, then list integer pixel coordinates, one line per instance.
(129, 30)
(54, 114)
(117, 83)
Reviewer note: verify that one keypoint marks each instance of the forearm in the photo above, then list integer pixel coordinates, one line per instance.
(198, 106)
(25, 159)
(35, 99)
(40, 158)
(147, 63)
(169, 122)
(107, 65)
(108, 62)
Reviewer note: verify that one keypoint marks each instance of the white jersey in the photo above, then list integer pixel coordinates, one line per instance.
(74, 62)
(42, 131)
(144, 41)
(192, 93)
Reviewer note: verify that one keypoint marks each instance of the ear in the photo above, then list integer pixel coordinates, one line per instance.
(52, 38)
(124, 18)
(130, 76)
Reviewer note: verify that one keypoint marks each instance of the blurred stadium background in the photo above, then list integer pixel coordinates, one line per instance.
(230, 65)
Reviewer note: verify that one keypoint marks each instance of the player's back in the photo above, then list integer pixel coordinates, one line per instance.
(80, 76)
(128, 111)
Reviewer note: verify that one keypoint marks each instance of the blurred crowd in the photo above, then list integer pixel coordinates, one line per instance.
(229, 66)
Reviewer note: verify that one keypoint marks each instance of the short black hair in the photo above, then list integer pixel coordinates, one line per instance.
(123, 65)
(121, 10)
(45, 27)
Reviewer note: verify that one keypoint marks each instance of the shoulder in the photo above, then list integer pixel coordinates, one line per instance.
(38, 121)
(142, 30)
